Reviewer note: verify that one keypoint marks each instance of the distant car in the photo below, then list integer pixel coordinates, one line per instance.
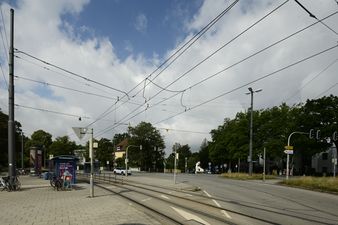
(121, 171)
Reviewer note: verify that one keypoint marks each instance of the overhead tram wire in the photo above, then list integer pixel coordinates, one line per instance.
(125, 118)
(51, 111)
(184, 131)
(5, 43)
(316, 76)
(245, 30)
(253, 81)
(4, 76)
(240, 61)
(332, 86)
(219, 49)
(198, 37)
(68, 88)
(187, 44)
(313, 16)
(180, 51)
(62, 74)
(71, 73)
(260, 51)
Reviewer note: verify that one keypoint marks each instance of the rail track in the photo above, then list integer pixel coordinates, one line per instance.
(193, 202)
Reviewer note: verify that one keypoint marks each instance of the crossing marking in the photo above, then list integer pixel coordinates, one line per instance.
(218, 205)
(163, 196)
(146, 199)
(190, 216)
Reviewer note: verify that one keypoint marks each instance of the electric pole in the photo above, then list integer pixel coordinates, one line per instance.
(11, 125)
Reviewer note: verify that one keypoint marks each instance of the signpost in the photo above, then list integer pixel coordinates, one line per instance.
(80, 133)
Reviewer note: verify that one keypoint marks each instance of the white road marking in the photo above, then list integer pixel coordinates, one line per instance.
(189, 216)
(226, 214)
(147, 199)
(163, 196)
(218, 205)
(207, 193)
(189, 195)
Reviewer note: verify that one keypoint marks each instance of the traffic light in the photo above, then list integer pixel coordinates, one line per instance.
(318, 135)
(312, 134)
(335, 136)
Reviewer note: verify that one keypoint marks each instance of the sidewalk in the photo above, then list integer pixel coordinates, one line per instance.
(38, 204)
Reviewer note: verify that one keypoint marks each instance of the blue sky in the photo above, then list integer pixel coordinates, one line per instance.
(139, 27)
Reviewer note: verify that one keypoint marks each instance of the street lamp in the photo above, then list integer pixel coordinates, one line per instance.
(126, 160)
(251, 122)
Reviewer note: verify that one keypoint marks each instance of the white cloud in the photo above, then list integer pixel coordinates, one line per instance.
(95, 58)
(141, 23)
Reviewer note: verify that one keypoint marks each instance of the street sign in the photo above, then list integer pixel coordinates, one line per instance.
(288, 147)
(289, 152)
(80, 132)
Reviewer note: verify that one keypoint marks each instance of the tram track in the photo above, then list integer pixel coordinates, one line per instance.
(204, 207)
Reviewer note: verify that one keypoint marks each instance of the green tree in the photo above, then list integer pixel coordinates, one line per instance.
(104, 152)
(203, 154)
(40, 139)
(62, 146)
(151, 156)
(184, 153)
(4, 141)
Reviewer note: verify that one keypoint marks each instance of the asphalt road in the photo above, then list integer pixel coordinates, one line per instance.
(246, 201)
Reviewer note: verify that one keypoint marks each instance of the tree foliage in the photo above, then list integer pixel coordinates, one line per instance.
(151, 156)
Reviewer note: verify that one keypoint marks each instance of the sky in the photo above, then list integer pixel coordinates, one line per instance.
(117, 63)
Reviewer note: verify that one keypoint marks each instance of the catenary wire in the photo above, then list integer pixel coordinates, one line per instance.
(187, 44)
(313, 16)
(251, 82)
(165, 89)
(180, 51)
(71, 73)
(317, 75)
(184, 131)
(245, 30)
(62, 74)
(275, 43)
(260, 51)
(4, 76)
(220, 48)
(5, 42)
(332, 86)
(51, 111)
(70, 89)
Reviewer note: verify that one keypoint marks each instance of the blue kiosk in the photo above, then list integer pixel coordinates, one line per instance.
(64, 164)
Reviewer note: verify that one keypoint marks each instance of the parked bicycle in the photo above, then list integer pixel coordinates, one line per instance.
(8, 186)
(55, 181)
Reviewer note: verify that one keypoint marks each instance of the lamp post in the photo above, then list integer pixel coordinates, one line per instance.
(21, 150)
(126, 160)
(251, 122)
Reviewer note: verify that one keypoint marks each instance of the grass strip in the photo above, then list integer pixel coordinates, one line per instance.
(324, 184)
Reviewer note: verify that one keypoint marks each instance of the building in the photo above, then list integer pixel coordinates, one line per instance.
(120, 150)
(323, 162)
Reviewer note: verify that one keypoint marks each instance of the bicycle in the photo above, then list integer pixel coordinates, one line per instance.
(6, 184)
(55, 182)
